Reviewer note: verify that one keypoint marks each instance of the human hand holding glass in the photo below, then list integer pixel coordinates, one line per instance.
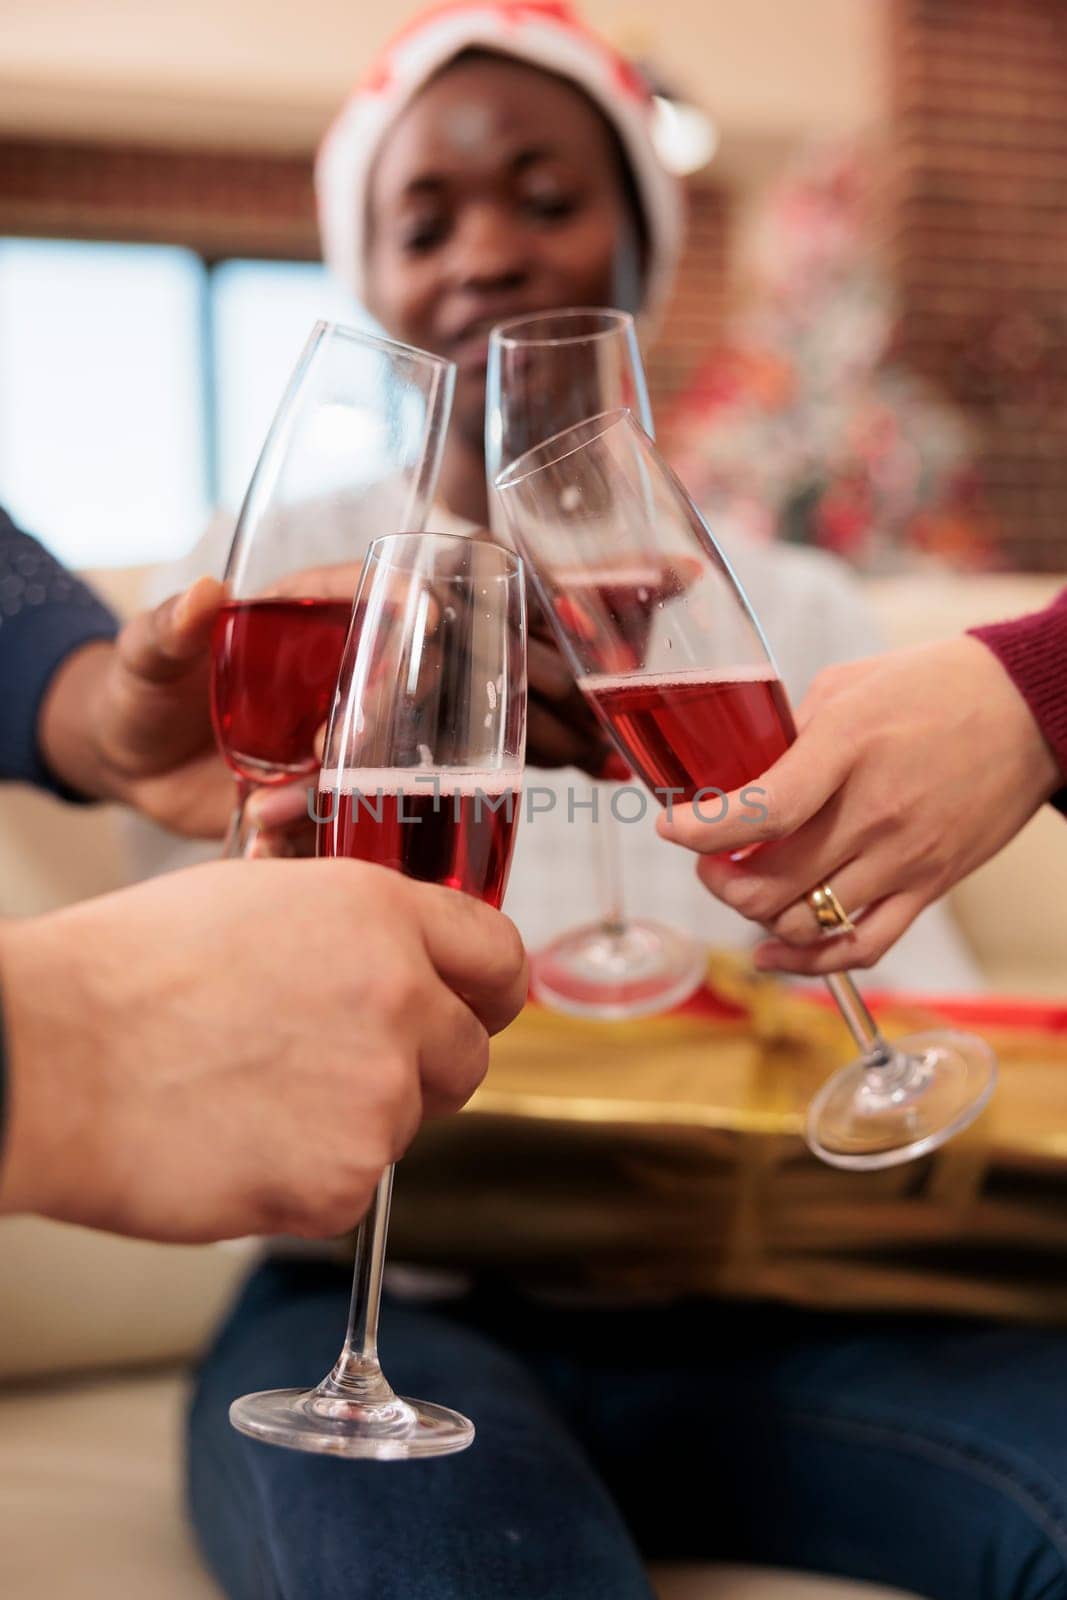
(888, 748)
(695, 701)
(422, 773)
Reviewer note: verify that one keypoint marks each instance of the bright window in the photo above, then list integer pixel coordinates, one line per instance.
(101, 398)
(136, 387)
(262, 312)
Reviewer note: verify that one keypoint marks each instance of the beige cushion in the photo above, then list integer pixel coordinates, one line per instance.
(74, 1299)
(90, 1501)
(939, 605)
(1013, 911)
(90, 1505)
(53, 854)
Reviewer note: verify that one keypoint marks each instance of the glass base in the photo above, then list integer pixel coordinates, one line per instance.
(933, 1087)
(302, 1419)
(614, 972)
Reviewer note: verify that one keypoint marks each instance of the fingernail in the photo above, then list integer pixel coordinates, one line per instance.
(186, 603)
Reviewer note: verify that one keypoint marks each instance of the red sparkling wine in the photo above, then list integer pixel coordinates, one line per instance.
(460, 834)
(275, 666)
(613, 609)
(696, 730)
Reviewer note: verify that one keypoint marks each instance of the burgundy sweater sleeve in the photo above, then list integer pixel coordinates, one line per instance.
(1033, 652)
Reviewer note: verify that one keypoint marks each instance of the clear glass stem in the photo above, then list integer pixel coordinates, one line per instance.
(357, 1377)
(608, 847)
(875, 1050)
(233, 845)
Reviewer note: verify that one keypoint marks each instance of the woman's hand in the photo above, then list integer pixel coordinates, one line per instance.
(908, 771)
(561, 730)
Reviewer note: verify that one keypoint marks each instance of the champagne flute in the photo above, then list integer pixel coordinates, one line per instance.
(353, 452)
(422, 772)
(544, 373)
(699, 709)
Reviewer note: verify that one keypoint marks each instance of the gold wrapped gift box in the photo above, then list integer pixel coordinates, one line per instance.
(646, 1160)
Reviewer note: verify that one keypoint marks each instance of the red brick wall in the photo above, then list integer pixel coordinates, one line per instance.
(980, 240)
(227, 203)
(217, 202)
(693, 322)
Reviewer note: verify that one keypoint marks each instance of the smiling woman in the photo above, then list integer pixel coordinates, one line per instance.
(497, 162)
(501, 191)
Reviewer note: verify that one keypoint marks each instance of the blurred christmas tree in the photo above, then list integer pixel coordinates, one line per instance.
(802, 426)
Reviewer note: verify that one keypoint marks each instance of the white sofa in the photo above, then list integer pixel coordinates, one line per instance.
(96, 1333)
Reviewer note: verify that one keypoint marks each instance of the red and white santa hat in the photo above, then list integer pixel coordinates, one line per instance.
(543, 33)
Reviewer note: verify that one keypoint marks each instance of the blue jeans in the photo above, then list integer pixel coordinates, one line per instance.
(928, 1454)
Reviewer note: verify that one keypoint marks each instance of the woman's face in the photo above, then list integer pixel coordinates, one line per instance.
(497, 193)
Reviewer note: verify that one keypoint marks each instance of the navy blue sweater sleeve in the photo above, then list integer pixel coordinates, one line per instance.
(45, 614)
